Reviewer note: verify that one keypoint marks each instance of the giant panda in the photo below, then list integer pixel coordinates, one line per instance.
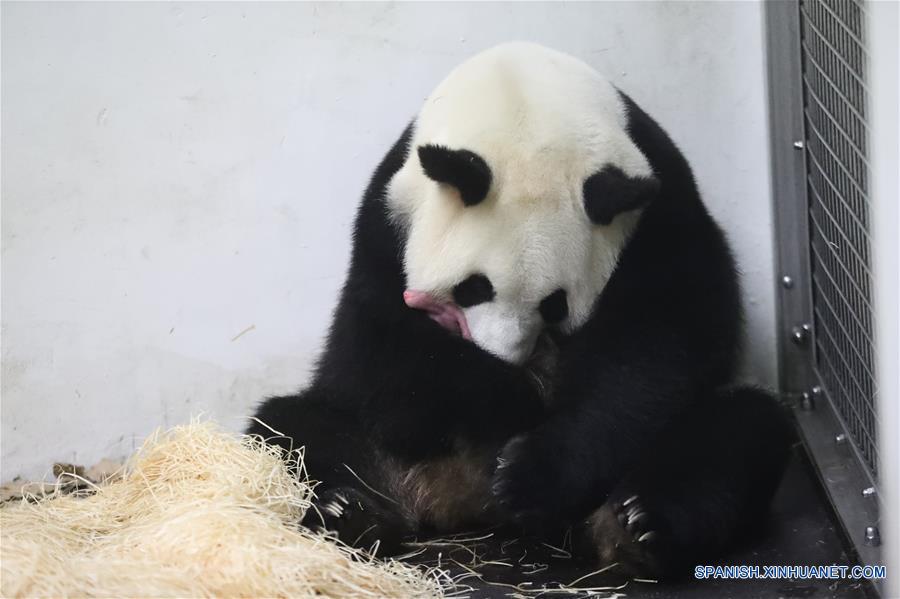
(539, 328)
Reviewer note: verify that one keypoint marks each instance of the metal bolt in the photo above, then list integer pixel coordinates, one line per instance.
(816, 391)
(807, 403)
(873, 538)
(840, 439)
(787, 282)
(868, 491)
(799, 145)
(800, 334)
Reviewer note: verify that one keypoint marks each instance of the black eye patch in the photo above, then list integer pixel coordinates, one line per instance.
(554, 308)
(475, 290)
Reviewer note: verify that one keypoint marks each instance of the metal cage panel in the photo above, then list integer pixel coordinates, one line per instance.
(835, 95)
(818, 60)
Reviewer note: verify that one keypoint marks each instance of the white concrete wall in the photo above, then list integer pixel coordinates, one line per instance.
(884, 146)
(174, 174)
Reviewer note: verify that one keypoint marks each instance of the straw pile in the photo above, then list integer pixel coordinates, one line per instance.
(196, 512)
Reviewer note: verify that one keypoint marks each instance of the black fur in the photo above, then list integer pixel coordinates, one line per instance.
(554, 308)
(707, 481)
(636, 402)
(610, 192)
(462, 169)
(476, 289)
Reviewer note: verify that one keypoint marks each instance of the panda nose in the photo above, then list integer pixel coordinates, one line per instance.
(447, 314)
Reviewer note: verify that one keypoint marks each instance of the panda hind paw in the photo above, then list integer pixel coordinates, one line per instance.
(624, 532)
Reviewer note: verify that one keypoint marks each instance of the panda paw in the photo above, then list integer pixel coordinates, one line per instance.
(625, 532)
(524, 484)
(356, 519)
(635, 519)
(336, 511)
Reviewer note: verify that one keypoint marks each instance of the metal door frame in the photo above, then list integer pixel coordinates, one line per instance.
(848, 483)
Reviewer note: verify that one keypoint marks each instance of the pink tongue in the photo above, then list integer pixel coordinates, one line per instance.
(446, 314)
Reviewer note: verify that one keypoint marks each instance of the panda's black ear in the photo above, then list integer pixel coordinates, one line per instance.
(462, 169)
(610, 191)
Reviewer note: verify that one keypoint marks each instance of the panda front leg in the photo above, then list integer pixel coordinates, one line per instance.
(339, 455)
(708, 480)
(568, 465)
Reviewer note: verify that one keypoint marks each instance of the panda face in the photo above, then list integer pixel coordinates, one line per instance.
(520, 190)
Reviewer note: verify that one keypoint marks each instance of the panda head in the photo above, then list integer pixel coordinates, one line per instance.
(519, 192)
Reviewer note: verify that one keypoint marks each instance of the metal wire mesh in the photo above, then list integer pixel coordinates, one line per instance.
(834, 60)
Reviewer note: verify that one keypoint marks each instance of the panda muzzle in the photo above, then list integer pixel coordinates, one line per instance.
(447, 314)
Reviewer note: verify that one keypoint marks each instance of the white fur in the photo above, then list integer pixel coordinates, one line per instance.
(543, 121)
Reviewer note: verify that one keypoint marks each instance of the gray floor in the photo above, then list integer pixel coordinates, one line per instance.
(801, 531)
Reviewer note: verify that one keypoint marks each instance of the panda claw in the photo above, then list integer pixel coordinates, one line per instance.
(334, 508)
(647, 536)
(635, 517)
(499, 496)
(629, 501)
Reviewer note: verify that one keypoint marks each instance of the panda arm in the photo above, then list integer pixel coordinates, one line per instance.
(432, 407)
(571, 462)
(417, 388)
